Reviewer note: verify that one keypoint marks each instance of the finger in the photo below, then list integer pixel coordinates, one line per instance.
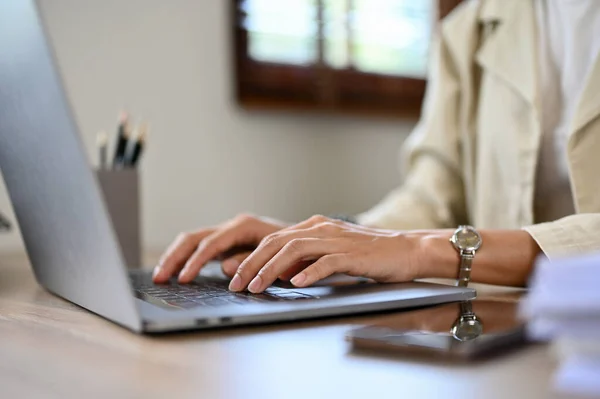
(231, 264)
(322, 268)
(217, 243)
(300, 249)
(273, 243)
(177, 254)
(294, 269)
(262, 254)
(237, 250)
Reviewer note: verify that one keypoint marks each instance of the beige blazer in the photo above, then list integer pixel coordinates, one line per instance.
(472, 157)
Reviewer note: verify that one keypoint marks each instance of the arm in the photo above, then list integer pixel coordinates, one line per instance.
(331, 246)
(505, 258)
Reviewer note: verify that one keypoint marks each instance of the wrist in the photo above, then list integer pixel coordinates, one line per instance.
(438, 258)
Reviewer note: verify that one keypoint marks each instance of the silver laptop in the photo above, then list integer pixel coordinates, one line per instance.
(69, 237)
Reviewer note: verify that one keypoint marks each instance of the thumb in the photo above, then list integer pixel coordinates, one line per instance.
(231, 264)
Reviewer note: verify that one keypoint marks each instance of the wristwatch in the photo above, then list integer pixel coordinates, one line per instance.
(467, 326)
(467, 241)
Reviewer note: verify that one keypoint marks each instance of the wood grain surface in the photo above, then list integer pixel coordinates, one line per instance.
(50, 348)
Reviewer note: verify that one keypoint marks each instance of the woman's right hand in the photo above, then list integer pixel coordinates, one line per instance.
(231, 241)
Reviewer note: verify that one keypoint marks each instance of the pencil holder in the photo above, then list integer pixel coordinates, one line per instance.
(121, 189)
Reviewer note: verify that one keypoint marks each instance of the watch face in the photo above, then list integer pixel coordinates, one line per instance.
(468, 239)
(467, 328)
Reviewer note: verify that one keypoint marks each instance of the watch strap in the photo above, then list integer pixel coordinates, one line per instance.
(466, 308)
(464, 270)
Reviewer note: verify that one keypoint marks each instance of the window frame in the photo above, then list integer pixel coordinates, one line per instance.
(320, 88)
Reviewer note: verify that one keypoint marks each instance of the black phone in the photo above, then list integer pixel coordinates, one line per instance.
(465, 330)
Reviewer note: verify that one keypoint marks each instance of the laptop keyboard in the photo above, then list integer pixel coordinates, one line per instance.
(204, 292)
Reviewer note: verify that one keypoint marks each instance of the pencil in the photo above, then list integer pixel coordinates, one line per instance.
(122, 138)
(138, 147)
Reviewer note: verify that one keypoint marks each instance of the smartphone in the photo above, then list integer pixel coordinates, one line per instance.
(462, 331)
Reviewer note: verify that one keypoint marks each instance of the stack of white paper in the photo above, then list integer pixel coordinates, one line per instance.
(564, 306)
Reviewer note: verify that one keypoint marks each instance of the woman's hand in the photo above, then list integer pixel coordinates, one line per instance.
(329, 246)
(320, 247)
(231, 241)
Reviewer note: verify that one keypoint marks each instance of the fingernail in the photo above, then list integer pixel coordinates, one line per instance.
(298, 279)
(255, 285)
(183, 273)
(155, 271)
(236, 283)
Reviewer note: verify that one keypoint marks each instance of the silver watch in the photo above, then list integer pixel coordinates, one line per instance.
(467, 326)
(467, 241)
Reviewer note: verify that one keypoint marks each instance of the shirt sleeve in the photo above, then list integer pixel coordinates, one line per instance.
(432, 195)
(571, 235)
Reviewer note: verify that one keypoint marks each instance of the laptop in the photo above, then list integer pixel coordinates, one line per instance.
(71, 242)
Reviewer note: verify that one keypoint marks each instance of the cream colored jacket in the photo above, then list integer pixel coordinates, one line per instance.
(472, 157)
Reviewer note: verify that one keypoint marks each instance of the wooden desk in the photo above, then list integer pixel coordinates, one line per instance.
(52, 349)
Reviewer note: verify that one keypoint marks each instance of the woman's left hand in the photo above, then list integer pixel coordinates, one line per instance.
(330, 246)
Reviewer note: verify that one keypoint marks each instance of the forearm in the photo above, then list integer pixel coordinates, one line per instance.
(505, 258)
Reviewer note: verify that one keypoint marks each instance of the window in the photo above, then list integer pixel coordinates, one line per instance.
(354, 56)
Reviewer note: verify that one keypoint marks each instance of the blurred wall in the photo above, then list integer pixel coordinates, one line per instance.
(169, 63)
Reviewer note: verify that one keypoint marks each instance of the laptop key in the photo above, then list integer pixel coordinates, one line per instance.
(211, 293)
(151, 290)
(199, 296)
(238, 300)
(219, 294)
(167, 297)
